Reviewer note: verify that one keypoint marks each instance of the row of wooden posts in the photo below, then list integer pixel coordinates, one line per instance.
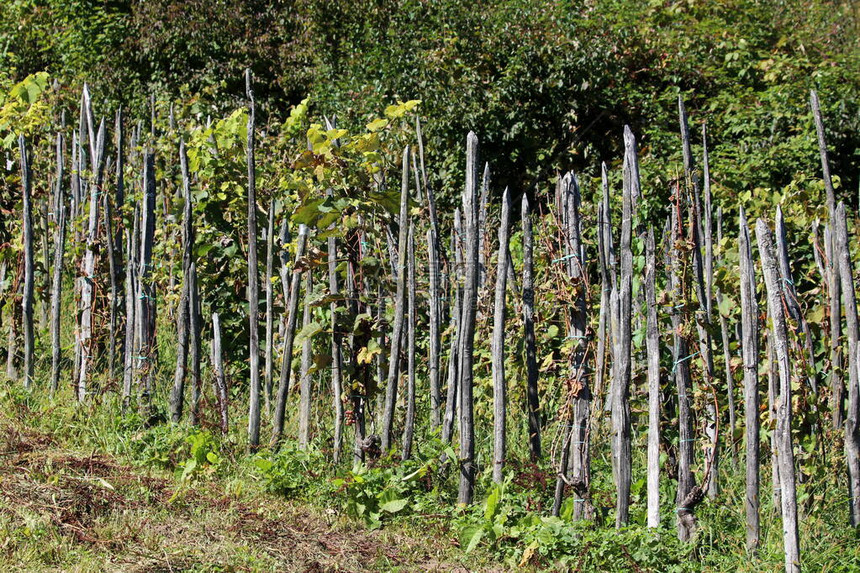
(461, 272)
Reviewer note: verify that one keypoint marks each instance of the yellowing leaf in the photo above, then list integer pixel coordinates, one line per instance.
(377, 124)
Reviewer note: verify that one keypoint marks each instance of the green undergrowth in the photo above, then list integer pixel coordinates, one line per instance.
(509, 525)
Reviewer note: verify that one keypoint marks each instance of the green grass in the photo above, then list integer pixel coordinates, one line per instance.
(88, 488)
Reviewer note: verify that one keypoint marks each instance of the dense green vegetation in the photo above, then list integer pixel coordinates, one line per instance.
(547, 86)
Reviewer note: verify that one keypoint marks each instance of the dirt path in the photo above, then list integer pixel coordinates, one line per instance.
(71, 511)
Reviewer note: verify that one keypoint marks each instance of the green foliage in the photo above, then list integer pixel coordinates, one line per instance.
(292, 471)
(204, 457)
(23, 110)
(374, 494)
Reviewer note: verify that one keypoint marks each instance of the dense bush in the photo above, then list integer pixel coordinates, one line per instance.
(546, 85)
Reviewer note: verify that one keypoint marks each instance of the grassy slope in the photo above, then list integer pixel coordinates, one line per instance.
(66, 508)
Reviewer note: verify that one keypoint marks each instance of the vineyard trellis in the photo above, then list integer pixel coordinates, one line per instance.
(383, 284)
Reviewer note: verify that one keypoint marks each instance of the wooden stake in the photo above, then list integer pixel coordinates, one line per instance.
(750, 350)
(289, 337)
(500, 402)
(852, 330)
(779, 332)
(411, 323)
(653, 348)
(27, 298)
(57, 282)
(467, 323)
(532, 398)
(253, 287)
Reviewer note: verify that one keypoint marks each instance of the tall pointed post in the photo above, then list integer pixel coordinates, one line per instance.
(621, 446)
(498, 344)
(779, 333)
(27, 298)
(532, 398)
(57, 280)
(399, 305)
(852, 330)
(253, 278)
(652, 342)
(467, 323)
(750, 351)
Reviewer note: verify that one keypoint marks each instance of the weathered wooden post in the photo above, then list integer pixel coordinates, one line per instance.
(57, 281)
(435, 262)
(750, 351)
(183, 313)
(606, 258)
(500, 402)
(703, 320)
(146, 308)
(779, 332)
(305, 378)
(833, 280)
(194, 345)
(852, 330)
(621, 452)
(575, 466)
(289, 338)
(456, 320)
(411, 324)
(791, 301)
(87, 281)
(399, 303)
(132, 348)
(532, 398)
(435, 320)
(253, 287)
(652, 342)
(681, 372)
(218, 368)
(27, 298)
(336, 350)
(467, 323)
(270, 315)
